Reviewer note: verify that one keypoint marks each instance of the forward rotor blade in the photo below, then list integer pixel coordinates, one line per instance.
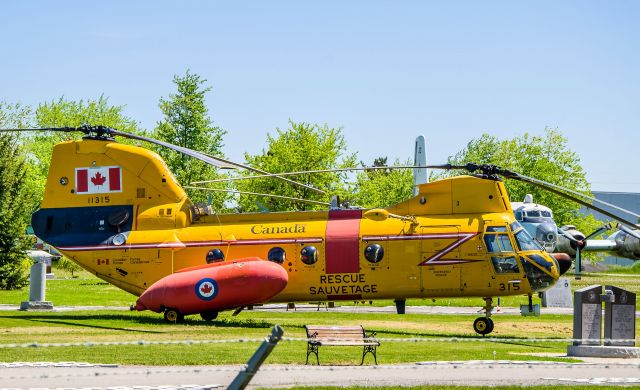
(277, 175)
(563, 192)
(259, 194)
(315, 171)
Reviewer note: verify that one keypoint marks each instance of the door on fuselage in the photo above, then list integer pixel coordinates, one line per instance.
(440, 253)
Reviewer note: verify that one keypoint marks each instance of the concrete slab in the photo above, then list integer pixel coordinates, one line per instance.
(600, 351)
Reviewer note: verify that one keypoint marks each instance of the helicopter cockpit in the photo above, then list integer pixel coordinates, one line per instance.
(540, 269)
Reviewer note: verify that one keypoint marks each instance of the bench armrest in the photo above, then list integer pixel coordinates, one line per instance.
(370, 335)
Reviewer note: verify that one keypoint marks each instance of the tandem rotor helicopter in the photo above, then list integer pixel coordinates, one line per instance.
(117, 211)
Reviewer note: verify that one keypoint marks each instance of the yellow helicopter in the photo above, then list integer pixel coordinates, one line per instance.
(117, 211)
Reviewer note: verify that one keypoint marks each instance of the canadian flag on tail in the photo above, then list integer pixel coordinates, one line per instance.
(98, 180)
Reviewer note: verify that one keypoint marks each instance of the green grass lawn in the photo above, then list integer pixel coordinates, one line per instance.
(108, 326)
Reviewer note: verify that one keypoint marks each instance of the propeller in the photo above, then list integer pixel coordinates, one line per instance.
(103, 132)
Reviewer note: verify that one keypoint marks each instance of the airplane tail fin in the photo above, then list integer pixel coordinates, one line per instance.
(420, 175)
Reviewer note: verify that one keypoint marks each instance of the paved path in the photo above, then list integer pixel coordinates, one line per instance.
(428, 373)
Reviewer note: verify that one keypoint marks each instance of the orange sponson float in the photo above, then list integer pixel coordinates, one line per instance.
(215, 287)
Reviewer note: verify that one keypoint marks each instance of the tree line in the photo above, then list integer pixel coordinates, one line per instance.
(302, 146)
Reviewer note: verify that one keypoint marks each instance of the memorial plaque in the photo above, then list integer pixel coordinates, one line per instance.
(559, 295)
(591, 323)
(587, 316)
(619, 318)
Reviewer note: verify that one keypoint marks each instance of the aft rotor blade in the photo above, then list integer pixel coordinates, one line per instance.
(100, 131)
(216, 161)
(57, 129)
(189, 152)
(260, 194)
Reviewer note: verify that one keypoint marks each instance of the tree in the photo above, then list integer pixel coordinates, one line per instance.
(14, 216)
(383, 187)
(186, 123)
(301, 147)
(543, 157)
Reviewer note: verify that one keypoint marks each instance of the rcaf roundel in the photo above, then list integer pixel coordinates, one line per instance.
(206, 289)
(98, 180)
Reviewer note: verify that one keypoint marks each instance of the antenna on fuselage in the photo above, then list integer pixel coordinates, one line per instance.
(420, 175)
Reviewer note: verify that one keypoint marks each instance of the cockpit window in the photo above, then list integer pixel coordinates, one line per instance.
(526, 242)
(533, 213)
(497, 243)
(515, 226)
(496, 229)
(546, 214)
(518, 215)
(505, 265)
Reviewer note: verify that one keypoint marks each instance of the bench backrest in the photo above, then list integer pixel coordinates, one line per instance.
(319, 332)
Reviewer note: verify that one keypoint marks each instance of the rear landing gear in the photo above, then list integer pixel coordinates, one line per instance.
(173, 315)
(484, 325)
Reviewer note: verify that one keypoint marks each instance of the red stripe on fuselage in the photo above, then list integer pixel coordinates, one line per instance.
(343, 241)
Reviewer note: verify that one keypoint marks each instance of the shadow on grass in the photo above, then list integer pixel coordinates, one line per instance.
(67, 319)
(239, 323)
(59, 322)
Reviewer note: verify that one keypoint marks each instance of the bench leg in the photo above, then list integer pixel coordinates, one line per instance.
(312, 349)
(369, 349)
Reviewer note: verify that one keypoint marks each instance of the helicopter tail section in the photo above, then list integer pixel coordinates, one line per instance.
(98, 191)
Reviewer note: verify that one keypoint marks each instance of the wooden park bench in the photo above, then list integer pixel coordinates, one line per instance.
(340, 336)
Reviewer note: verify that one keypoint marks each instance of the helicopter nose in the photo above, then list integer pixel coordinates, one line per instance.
(564, 261)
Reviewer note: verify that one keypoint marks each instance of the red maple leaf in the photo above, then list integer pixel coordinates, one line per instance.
(98, 179)
(206, 288)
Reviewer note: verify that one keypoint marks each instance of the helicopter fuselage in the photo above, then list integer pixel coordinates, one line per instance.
(117, 211)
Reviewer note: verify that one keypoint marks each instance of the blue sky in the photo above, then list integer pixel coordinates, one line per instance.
(385, 71)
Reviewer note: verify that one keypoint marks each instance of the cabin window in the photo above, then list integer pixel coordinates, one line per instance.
(277, 255)
(505, 265)
(215, 256)
(373, 253)
(309, 255)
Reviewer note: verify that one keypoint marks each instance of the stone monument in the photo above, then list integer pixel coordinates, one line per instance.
(587, 316)
(619, 318)
(619, 323)
(37, 285)
(559, 295)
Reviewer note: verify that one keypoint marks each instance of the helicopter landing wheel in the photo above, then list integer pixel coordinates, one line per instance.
(483, 325)
(209, 315)
(173, 315)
